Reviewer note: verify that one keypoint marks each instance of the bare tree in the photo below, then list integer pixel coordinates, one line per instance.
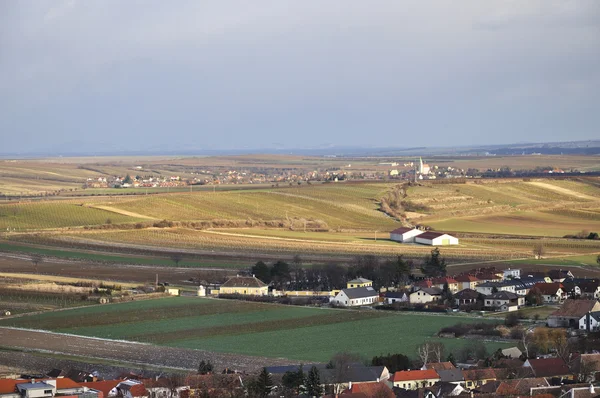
(539, 250)
(36, 258)
(340, 363)
(437, 351)
(424, 352)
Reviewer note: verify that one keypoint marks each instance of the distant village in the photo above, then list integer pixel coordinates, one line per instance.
(140, 177)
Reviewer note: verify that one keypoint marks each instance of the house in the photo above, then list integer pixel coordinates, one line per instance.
(571, 289)
(359, 282)
(513, 388)
(446, 389)
(488, 288)
(454, 376)
(530, 281)
(585, 366)
(552, 293)
(405, 235)
(45, 388)
(425, 295)
(370, 389)
(477, 377)
(395, 297)
(445, 280)
(413, 379)
(437, 366)
(173, 291)
(511, 273)
(467, 282)
(436, 239)
(354, 374)
(466, 297)
(549, 367)
(356, 297)
(504, 301)
(589, 289)
(246, 285)
(590, 322)
(571, 312)
(559, 275)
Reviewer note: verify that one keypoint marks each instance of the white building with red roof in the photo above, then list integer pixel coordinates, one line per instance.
(436, 239)
(405, 235)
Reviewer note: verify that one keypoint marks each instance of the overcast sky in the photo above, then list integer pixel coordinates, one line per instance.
(97, 75)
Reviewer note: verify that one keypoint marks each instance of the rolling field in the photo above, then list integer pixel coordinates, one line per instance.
(298, 333)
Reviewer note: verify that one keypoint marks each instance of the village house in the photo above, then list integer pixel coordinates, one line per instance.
(356, 297)
(559, 275)
(436, 239)
(446, 280)
(552, 293)
(466, 297)
(589, 289)
(590, 322)
(504, 301)
(246, 285)
(571, 312)
(395, 297)
(549, 367)
(425, 295)
(478, 377)
(467, 281)
(488, 288)
(405, 235)
(511, 273)
(413, 379)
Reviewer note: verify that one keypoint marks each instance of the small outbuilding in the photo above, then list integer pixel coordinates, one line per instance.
(405, 235)
(436, 239)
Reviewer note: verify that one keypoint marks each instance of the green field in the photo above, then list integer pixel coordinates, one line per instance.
(299, 333)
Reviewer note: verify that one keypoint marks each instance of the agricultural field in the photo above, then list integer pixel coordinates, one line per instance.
(256, 329)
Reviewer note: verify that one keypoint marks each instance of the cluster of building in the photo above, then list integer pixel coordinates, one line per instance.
(415, 235)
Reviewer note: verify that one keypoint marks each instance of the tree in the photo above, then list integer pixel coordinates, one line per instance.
(36, 259)
(450, 358)
(511, 319)
(431, 351)
(176, 258)
(262, 385)
(313, 383)
(294, 381)
(205, 368)
(534, 297)
(280, 274)
(394, 362)
(262, 272)
(434, 265)
(539, 250)
(127, 179)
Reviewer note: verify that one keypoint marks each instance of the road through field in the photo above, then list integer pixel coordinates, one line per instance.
(124, 351)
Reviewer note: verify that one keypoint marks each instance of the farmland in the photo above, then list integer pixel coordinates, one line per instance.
(298, 333)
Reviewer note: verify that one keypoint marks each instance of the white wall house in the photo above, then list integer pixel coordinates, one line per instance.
(436, 239)
(356, 297)
(405, 235)
(425, 295)
(511, 273)
(590, 322)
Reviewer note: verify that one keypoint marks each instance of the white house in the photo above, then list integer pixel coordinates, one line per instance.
(405, 235)
(590, 322)
(425, 295)
(356, 297)
(504, 301)
(436, 239)
(395, 297)
(511, 273)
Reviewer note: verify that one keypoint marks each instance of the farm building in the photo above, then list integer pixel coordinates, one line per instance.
(405, 235)
(248, 285)
(571, 312)
(356, 297)
(436, 239)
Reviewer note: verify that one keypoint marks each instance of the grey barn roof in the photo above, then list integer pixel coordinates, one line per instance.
(360, 292)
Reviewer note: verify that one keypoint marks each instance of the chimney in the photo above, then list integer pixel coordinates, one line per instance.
(592, 391)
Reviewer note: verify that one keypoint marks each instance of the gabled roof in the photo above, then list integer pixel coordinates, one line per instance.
(395, 294)
(520, 386)
(466, 294)
(360, 292)
(412, 375)
(434, 291)
(65, 382)
(503, 295)
(444, 279)
(588, 287)
(105, 386)
(548, 367)
(373, 389)
(440, 366)
(360, 280)
(575, 308)
(466, 278)
(430, 235)
(548, 288)
(479, 374)
(401, 230)
(244, 281)
(450, 375)
(355, 374)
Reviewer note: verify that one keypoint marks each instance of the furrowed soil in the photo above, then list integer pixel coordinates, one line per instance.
(177, 358)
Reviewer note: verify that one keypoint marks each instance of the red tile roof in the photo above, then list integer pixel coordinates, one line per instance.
(575, 308)
(430, 235)
(443, 280)
(466, 278)
(548, 288)
(440, 365)
(8, 386)
(401, 230)
(373, 389)
(548, 367)
(65, 382)
(138, 390)
(411, 375)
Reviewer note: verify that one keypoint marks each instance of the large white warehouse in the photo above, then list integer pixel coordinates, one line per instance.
(405, 235)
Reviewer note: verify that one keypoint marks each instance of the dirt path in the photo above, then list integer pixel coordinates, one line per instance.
(123, 212)
(124, 351)
(562, 190)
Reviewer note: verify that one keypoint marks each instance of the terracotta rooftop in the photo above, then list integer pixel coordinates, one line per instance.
(411, 375)
(548, 367)
(440, 365)
(575, 308)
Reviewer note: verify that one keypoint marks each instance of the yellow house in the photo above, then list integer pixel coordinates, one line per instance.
(415, 379)
(359, 282)
(478, 377)
(248, 285)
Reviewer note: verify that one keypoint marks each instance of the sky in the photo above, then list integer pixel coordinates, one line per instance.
(155, 75)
